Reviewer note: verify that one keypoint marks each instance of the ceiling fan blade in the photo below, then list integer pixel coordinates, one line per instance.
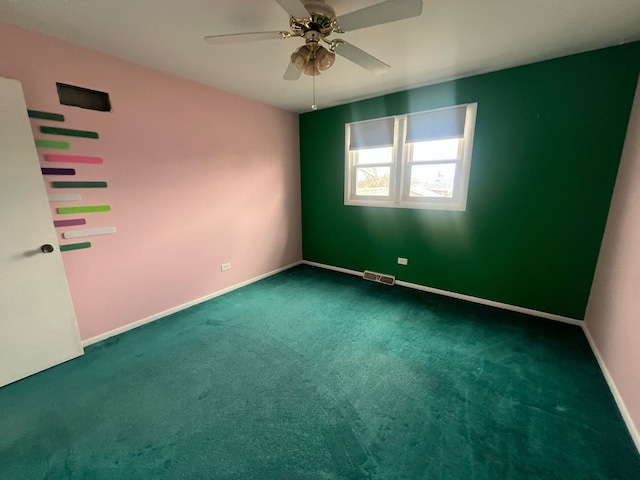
(385, 12)
(294, 8)
(292, 72)
(245, 37)
(360, 57)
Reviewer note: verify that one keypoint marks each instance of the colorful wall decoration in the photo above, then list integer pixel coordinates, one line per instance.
(85, 169)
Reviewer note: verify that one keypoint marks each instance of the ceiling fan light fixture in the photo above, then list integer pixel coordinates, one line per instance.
(325, 59)
(301, 57)
(312, 61)
(311, 68)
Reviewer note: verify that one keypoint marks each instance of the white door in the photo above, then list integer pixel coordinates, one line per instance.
(37, 324)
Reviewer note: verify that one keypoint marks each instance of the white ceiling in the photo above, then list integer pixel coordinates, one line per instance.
(451, 39)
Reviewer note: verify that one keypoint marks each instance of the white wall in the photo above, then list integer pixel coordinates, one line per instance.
(613, 314)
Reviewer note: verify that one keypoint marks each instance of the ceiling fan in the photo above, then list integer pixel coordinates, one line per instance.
(315, 21)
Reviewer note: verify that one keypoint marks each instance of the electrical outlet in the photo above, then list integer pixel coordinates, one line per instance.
(225, 266)
(402, 261)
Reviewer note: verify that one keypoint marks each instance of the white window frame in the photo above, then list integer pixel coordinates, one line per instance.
(400, 173)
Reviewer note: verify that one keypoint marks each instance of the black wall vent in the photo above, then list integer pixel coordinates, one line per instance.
(83, 97)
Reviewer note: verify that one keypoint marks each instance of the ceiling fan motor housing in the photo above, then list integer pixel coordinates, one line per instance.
(321, 19)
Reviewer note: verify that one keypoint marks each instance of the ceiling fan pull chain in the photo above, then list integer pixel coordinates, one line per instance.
(313, 105)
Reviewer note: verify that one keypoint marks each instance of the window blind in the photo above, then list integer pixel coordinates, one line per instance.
(436, 125)
(373, 134)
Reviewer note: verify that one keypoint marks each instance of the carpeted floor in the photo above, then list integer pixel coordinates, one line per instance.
(312, 374)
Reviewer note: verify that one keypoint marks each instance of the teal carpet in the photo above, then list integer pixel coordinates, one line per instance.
(312, 374)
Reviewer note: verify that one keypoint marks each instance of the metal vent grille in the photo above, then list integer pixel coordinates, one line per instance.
(379, 277)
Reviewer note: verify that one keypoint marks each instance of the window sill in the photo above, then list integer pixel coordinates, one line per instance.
(451, 206)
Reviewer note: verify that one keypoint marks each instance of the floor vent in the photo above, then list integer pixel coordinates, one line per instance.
(379, 277)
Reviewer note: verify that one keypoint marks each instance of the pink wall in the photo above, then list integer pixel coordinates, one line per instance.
(613, 313)
(197, 177)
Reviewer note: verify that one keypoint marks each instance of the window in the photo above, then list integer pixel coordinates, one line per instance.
(419, 160)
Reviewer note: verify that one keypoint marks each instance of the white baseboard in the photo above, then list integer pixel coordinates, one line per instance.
(468, 298)
(633, 430)
(157, 316)
(331, 267)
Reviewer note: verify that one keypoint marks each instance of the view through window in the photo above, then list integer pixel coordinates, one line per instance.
(419, 160)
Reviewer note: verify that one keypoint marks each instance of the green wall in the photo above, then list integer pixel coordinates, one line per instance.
(547, 145)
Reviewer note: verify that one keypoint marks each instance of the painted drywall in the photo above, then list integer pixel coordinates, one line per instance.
(613, 312)
(547, 145)
(196, 178)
